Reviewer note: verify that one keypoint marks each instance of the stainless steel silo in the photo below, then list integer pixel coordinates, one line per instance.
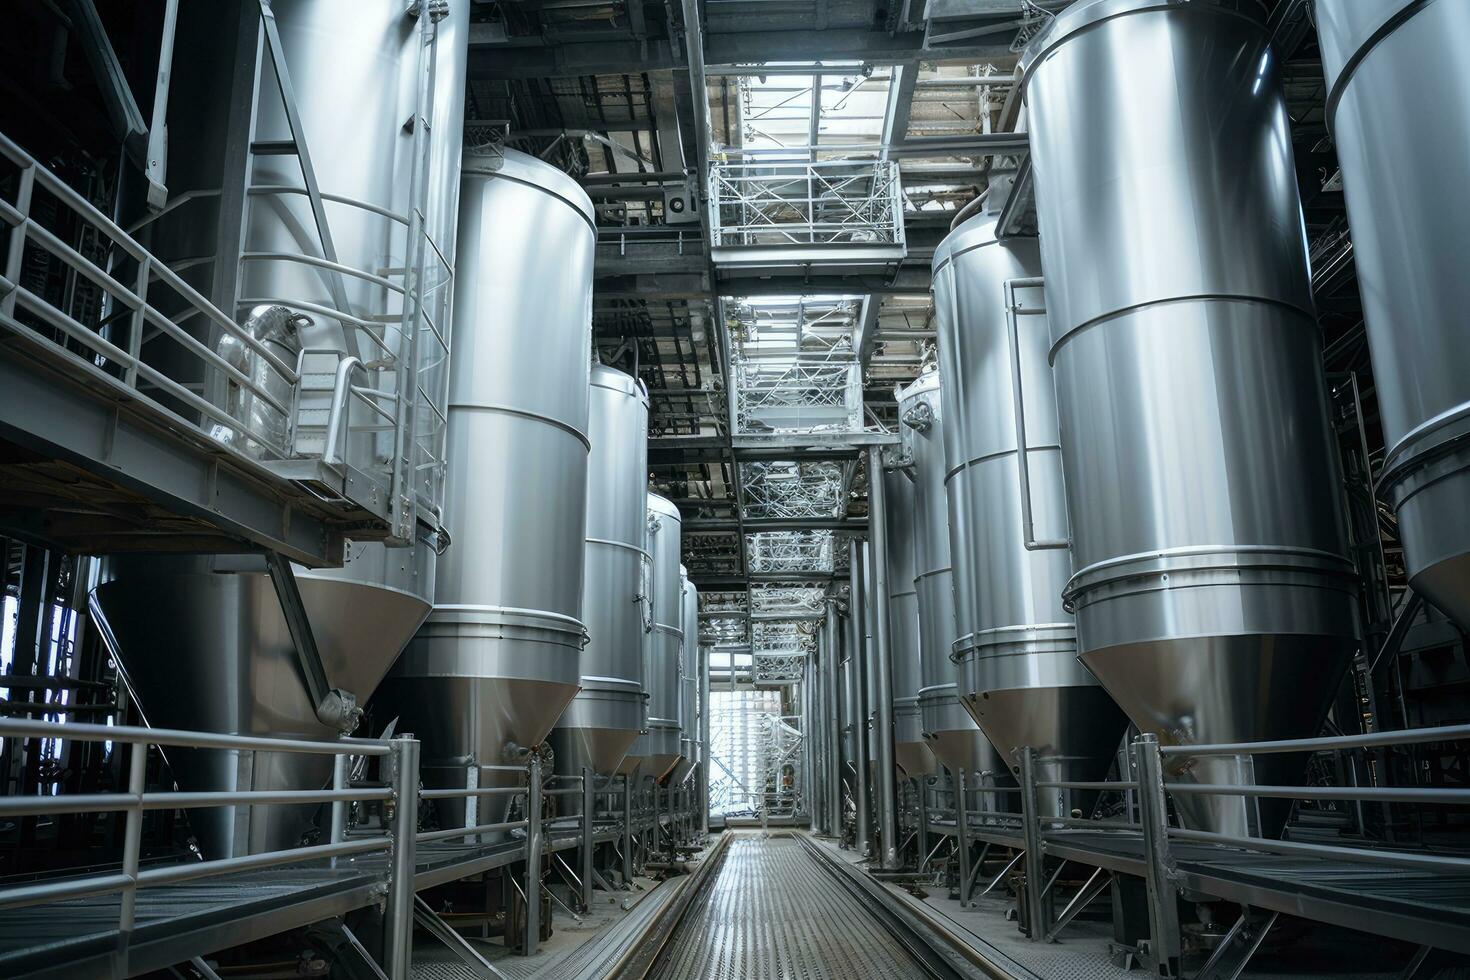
(1404, 147)
(953, 737)
(1017, 648)
(910, 750)
(498, 659)
(657, 751)
(202, 639)
(609, 712)
(1214, 598)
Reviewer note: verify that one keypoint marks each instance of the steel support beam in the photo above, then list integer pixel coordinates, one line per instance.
(887, 788)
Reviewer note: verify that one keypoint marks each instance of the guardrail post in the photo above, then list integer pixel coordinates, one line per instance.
(962, 835)
(1036, 899)
(587, 812)
(922, 784)
(398, 911)
(132, 847)
(658, 831)
(533, 852)
(627, 830)
(1163, 904)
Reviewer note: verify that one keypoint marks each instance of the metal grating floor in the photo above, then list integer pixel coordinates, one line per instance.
(772, 913)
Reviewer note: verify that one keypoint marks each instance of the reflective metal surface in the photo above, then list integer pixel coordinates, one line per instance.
(688, 679)
(909, 749)
(1213, 596)
(1400, 117)
(608, 713)
(203, 640)
(1018, 672)
(498, 659)
(659, 750)
(953, 737)
(205, 647)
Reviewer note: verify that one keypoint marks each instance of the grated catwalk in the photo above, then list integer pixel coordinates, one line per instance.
(773, 913)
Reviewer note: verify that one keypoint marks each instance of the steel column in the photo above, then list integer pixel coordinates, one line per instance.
(887, 789)
(857, 676)
(834, 722)
(1036, 903)
(1163, 904)
(533, 852)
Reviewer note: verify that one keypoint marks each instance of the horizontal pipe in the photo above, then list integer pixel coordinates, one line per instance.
(1386, 794)
(1403, 736)
(460, 794)
(111, 802)
(135, 735)
(484, 828)
(55, 891)
(1104, 784)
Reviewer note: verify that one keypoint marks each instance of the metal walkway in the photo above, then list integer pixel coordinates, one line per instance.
(774, 913)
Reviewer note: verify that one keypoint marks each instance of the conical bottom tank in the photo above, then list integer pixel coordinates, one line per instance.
(910, 748)
(1222, 689)
(205, 648)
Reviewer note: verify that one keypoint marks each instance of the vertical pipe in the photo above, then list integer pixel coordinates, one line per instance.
(702, 797)
(887, 789)
(1036, 904)
(834, 724)
(588, 802)
(398, 911)
(859, 685)
(533, 852)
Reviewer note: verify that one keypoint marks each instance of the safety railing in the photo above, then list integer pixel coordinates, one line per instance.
(1142, 813)
(109, 351)
(397, 795)
(828, 210)
(615, 804)
(150, 340)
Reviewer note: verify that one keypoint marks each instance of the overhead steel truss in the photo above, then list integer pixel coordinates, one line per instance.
(791, 551)
(808, 212)
(789, 489)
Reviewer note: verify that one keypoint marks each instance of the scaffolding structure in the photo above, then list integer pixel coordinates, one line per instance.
(781, 490)
(811, 552)
(817, 212)
(756, 755)
(794, 365)
(787, 602)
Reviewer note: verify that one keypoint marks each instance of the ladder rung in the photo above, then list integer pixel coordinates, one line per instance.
(273, 148)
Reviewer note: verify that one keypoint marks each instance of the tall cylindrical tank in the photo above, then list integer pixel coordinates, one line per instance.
(1017, 648)
(658, 750)
(497, 661)
(609, 712)
(1404, 147)
(1214, 598)
(909, 747)
(953, 737)
(202, 639)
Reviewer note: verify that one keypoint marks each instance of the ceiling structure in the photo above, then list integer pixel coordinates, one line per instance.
(771, 179)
